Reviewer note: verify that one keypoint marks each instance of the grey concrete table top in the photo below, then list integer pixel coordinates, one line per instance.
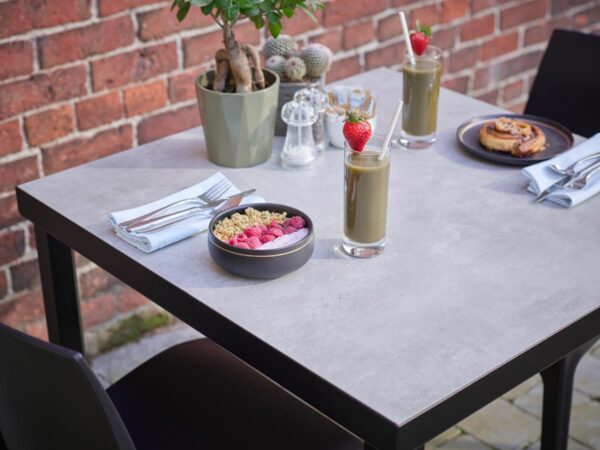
(472, 275)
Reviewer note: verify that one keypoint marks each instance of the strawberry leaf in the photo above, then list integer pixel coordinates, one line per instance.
(424, 28)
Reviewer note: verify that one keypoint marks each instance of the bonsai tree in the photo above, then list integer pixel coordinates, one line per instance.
(235, 62)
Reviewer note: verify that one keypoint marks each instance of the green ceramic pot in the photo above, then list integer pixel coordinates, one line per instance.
(238, 128)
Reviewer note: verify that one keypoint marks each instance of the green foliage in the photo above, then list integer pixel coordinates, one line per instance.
(260, 12)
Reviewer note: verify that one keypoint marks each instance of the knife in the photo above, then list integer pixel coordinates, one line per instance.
(563, 181)
(207, 209)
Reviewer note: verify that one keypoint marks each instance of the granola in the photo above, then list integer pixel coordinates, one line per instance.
(230, 226)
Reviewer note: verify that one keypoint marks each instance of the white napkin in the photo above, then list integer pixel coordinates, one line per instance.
(542, 177)
(149, 242)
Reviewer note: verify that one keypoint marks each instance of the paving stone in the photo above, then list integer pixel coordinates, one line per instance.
(571, 445)
(587, 376)
(442, 438)
(502, 425)
(531, 402)
(465, 442)
(585, 424)
(522, 388)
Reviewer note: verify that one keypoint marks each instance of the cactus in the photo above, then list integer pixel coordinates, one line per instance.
(283, 45)
(317, 58)
(276, 64)
(294, 69)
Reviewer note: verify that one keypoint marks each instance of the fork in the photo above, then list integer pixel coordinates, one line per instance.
(210, 195)
(581, 182)
(570, 170)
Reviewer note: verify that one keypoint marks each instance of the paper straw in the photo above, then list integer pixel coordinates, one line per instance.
(390, 131)
(409, 49)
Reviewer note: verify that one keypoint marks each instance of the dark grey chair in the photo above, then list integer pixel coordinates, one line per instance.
(566, 87)
(194, 395)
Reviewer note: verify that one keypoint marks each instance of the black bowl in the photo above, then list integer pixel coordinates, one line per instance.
(264, 264)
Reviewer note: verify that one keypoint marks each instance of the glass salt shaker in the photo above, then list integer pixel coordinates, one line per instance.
(320, 100)
(299, 149)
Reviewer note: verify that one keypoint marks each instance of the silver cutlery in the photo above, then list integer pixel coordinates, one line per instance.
(581, 181)
(210, 195)
(207, 208)
(230, 203)
(570, 170)
(563, 182)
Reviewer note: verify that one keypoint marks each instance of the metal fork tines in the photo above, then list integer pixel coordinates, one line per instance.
(581, 181)
(213, 193)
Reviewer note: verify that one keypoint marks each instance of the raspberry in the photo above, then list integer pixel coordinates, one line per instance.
(253, 231)
(242, 245)
(274, 224)
(232, 241)
(254, 242)
(296, 222)
(263, 228)
(241, 237)
(266, 238)
(276, 231)
(289, 230)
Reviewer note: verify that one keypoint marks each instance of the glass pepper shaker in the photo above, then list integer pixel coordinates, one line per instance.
(320, 100)
(299, 149)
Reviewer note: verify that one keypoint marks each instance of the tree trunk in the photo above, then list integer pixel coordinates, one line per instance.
(238, 62)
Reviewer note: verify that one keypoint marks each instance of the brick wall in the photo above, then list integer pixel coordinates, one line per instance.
(86, 78)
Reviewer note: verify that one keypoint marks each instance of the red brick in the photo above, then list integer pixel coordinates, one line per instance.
(183, 86)
(358, 34)
(426, 15)
(385, 56)
(129, 299)
(49, 13)
(489, 97)
(98, 310)
(14, 18)
(10, 137)
(517, 108)
(24, 308)
(12, 244)
(145, 98)
(9, 212)
(453, 9)
(516, 65)
(477, 28)
(331, 39)
(500, 45)
(343, 68)
(163, 22)
(31, 233)
(20, 55)
(246, 33)
(389, 27)
(3, 284)
(80, 43)
(95, 281)
(49, 125)
(17, 172)
(338, 11)
(25, 275)
(134, 66)
(79, 151)
(302, 22)
(445, 38)
(587, 17)
(37, 329)
(558, 6)
(459, 84)
(542, 32)
(96, 111)
(167, 123)
(512, 91)
(480, 5)
(42, 89)
(107, 7)
(523, 13)
(463, 59)
(201, 49)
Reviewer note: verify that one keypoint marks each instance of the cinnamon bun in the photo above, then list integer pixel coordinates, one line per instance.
(511, 136)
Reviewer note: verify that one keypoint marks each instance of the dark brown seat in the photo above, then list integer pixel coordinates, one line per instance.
(194, 395)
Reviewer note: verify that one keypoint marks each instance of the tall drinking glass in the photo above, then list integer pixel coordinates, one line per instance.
(366, 179)
(421, 91)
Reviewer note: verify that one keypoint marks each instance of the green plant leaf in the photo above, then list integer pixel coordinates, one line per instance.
(206, 10)
(231, 13)
(183, 10)
(288, 11)
(274, 29)
(258, 21)
(174, 4)
(200, 3)
(250, 12)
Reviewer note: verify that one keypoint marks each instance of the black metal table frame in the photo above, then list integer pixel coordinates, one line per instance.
(556, 358)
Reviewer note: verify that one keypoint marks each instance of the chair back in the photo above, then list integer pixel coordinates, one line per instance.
(49, 398)
(566, 87)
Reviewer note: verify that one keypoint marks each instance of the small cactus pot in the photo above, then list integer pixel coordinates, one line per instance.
(238, 128)
(286, 94)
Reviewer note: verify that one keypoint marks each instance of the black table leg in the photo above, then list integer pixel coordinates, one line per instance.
(558, 392)
(59, 285)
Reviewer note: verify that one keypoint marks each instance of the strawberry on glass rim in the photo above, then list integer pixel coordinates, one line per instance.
(357, 130)
(419, 38)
